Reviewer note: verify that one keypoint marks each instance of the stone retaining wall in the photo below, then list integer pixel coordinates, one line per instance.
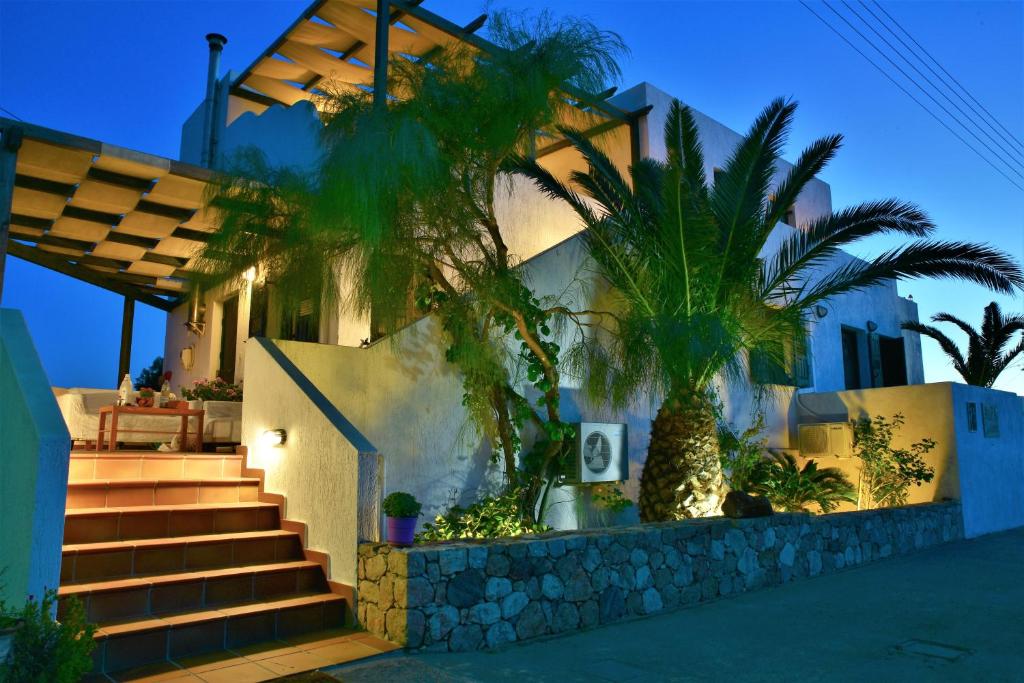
(468, 596)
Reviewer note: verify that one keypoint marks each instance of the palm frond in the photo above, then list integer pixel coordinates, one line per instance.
(948, 345)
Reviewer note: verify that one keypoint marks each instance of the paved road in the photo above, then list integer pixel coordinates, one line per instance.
(952, 613)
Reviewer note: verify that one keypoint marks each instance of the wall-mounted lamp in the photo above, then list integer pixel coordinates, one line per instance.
(872, 326)
(273, 437)
(820, 311)
(250, 274)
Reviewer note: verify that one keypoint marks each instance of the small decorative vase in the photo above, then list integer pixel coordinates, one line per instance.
(144, 402)
(401, 530)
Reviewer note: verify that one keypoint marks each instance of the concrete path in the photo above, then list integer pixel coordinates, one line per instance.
(952, 613)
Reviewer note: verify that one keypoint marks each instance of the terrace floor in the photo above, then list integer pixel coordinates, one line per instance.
(951, 613)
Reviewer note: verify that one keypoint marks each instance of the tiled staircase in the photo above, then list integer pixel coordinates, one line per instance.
(175, 555)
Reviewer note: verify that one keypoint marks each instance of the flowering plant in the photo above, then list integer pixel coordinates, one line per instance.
(214, 389)
(168, 375)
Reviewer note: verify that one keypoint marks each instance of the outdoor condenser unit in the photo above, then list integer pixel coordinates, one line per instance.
(600, 454)
(826, 439)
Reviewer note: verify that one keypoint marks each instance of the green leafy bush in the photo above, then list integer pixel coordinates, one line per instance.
(490, 517)
(792, 489)
(401, 504)
(744, 455)
(887, 473)
(45, 649)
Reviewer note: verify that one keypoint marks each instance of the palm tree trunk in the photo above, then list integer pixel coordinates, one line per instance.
(682, 477)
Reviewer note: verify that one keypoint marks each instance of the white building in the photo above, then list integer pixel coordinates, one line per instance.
(420, 428)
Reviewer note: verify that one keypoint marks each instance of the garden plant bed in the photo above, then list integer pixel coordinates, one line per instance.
(475, 595)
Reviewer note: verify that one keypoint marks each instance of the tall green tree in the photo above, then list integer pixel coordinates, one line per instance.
(987, 352)
(405, 204)
(699, 290)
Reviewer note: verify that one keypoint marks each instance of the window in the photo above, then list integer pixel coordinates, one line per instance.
(790, 217)
(851, 357)
(301, 322)
(990, 420)
(795, 372)
(972, 417)
(258, 305)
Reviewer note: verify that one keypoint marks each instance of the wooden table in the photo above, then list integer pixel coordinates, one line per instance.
(115, 411)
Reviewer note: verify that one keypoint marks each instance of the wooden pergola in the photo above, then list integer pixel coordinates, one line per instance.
(346, 44)
(122, 220)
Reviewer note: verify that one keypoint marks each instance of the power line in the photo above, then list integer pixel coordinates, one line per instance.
(922, 89)
(951, 76)
(1012, 158)
(12, 114)
(911, 95)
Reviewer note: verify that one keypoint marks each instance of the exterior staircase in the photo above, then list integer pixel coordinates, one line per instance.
(175, 555)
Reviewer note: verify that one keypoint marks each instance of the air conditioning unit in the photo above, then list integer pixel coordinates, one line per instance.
(826, 439)
(600, 454)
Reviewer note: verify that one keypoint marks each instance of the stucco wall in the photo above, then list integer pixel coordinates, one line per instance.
(327, 470)
(991, 468)
(408, 402)
(985, 472)
(35, 450)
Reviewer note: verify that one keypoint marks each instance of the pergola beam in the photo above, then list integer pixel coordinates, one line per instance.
(458, 32)
(87, 275)
(127, 328)
(10, 142)
(632, 120)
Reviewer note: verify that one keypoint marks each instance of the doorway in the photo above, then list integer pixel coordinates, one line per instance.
(228, 339)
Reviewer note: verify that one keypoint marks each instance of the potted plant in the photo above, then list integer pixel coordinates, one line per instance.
(145, 397)
(402, 510)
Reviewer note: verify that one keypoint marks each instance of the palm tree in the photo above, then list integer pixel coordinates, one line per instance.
(986, 358)
(792, 489)
(686, 260)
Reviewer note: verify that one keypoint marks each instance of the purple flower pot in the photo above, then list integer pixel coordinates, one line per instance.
(401, 530)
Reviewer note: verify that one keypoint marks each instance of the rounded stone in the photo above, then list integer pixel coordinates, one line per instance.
(465, 638)
(485, 613)
(652, 601)
(566, 617)
(501, 633)
(497, 588)
(513, 604)
(442, 623)
(466, 588)
(452, 560)
(552, 587)
(531, 622)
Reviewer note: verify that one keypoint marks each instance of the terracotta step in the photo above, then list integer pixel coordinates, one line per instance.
(164, 594)
(91, 562)
(100, 525)
(87, 465)
(133, 643)
(100, 493)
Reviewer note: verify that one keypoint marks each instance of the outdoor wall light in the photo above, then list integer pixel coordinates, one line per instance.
(250, 274)
(872, 326)
(274, 437)
(820, 311)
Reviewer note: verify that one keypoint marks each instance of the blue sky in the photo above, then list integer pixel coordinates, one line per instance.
(130, 73)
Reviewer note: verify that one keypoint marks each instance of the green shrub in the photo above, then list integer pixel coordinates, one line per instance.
(887, 473)
(792, 489)
(744, 456)
(401, 504)
(45, 650)
(490, 517)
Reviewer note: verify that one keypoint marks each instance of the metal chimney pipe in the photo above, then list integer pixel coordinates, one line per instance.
(216, 42)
